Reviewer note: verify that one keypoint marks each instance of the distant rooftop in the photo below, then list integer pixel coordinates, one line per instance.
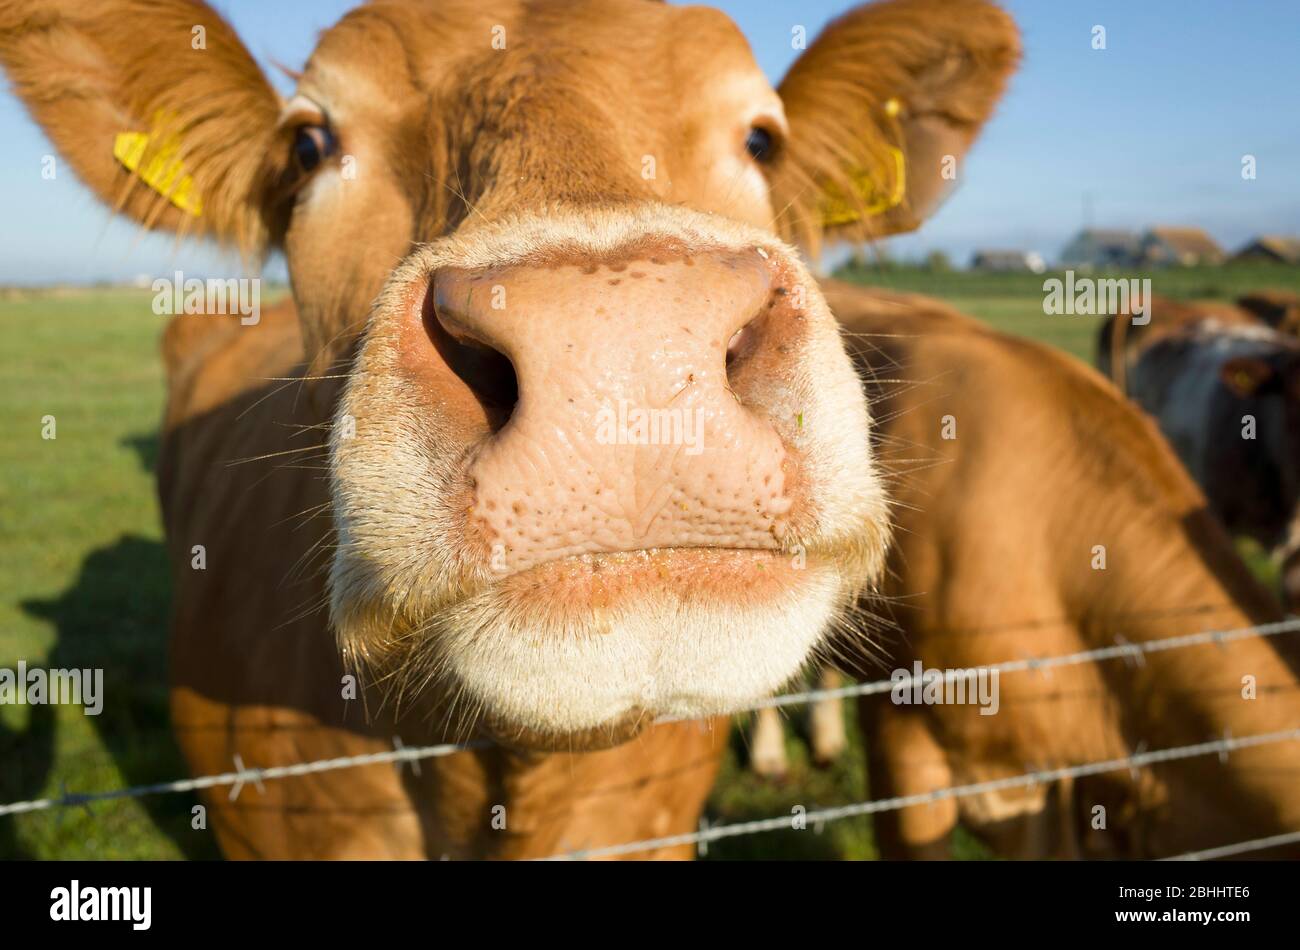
(1182, 240)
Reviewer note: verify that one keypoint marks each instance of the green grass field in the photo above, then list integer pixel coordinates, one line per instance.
(83, 577)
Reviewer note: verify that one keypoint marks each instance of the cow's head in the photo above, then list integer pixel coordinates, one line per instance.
(601, 454)
(1259, 383)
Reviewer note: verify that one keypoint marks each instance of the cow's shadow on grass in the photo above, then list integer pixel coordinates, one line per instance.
(145, 446)
(114, 617)
(27, 755)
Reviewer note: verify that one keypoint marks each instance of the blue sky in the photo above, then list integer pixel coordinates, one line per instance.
(1152, 130)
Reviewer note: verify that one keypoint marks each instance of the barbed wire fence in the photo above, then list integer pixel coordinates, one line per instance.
(400, 754)
(858, 809)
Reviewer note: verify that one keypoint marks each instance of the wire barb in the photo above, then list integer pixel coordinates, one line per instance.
(241, 776)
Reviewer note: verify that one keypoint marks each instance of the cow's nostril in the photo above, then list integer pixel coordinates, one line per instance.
(740, 345)
(733, 345)
(485, 370)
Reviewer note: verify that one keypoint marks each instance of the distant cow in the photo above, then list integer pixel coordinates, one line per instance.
(1224, 387)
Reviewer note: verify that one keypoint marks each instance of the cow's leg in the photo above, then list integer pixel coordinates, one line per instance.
(1017, 823)
(652, 787)
(903, 758)
(827, 721)
(767, 747)
(357, 813)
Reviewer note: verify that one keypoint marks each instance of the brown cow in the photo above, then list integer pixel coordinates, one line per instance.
(1242, 491)
(1037, 514)
(510, 227)
(1223, 384)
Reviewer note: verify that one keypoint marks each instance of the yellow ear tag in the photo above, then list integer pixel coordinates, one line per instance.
(164, 172)
(836, 209)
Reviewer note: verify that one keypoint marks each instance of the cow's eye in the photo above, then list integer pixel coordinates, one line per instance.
(312, 145)
(759, 144)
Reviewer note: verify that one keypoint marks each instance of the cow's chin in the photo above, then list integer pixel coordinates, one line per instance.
(585, 652)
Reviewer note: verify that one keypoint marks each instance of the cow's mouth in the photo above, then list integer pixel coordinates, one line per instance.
(591, 597)
(594, 584)
(585, 651)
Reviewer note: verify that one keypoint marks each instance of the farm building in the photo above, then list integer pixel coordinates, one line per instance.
(1180, 247)
(1101, 248)
(1008, 261)
(1274, 248)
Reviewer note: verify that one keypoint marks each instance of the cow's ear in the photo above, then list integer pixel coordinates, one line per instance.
(1245, 376)
(881, 109)
(157, 106)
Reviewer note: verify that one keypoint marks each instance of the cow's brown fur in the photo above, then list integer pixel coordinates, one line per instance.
(449, 136)
(994, 560)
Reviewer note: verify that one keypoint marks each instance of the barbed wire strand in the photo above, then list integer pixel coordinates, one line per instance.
(1125, 649)
(243, 775)
(858, 809)
(1241, 847)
